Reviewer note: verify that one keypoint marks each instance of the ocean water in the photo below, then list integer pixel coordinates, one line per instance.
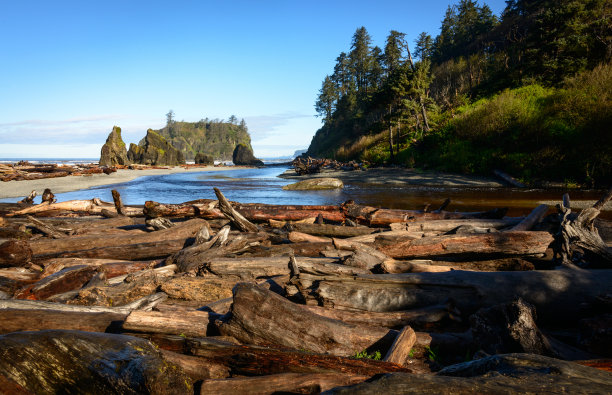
(262, 185)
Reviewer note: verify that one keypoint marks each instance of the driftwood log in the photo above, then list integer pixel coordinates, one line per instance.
(561, 295)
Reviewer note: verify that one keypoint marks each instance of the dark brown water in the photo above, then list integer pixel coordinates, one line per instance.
(263, 186)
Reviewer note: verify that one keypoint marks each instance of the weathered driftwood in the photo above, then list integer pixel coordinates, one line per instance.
(483, 245)
(118, 202)
(261, 317)
(63, 281)
(118, 246)
(446, 225)
(62, 361)
(563, 295)
(15, 320)
(15, 253)
(280, 383)
(90, 207)
(197, 368)
(299, 237)
(254, 212)
(330, 230)
(29, 199)
(532, 219)
(253, 268)
(187, 323)
(256, 360)
(578, 239)
(45, 228)
(413, 266)
(498, 374)
(509, 327)
(419, 318)
(363, 256)
(233, 215)
(111, 267)
(376, 217)
(201, 289)
(146, 303)
(399, 352)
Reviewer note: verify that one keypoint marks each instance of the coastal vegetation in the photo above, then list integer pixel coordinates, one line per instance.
(529, 92)
(214, 137)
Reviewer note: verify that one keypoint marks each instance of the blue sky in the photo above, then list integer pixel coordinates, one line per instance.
(70, 70)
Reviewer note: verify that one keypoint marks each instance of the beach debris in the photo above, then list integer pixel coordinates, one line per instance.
(239, 294)
(48, 196)
(29, 199)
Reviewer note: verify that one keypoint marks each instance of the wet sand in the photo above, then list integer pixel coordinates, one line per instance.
(15, 189)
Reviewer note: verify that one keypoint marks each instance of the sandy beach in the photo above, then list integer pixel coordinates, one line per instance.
(14, 189)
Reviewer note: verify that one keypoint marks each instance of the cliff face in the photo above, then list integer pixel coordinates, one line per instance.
(243, 156)
(210, 137)
(113, 151)
(155, 150)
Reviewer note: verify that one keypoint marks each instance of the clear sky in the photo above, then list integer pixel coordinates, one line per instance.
(70, 70)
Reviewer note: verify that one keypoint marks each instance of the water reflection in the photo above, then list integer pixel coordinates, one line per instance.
(263, 186)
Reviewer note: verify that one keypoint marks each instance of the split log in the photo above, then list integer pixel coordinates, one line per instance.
(254, 268)
(299, 237)
(578, 239)
(118, 246)
(185, 323)
(376, 217)
(401, 347)
(146, 303)
(413, 266)
(559, 295)
(90, 207)
(498, 374)
(423, 318)
(255, 360)
(443, 226)
(63, 281)
(477, 245)
(15, 320)
(197, 368)
(311, 383)
(44, 228)
(233, 215)
(532, 219)
(254, 212)
(330, 230)
(15, 253)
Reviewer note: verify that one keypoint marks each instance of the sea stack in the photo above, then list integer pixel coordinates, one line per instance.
(155, 151)
(243, 156)
(203, 159)
(113, 151)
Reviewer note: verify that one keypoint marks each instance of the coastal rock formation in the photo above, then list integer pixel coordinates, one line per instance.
(203, 159)
(113, 151)
(315, 184)
(156, 151)
(58, 361)
(243, 156)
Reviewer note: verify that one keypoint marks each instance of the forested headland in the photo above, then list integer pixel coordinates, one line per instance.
(528, 92)
(214, 137)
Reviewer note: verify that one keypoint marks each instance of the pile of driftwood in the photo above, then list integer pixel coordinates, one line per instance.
(226, 297)
(24, 170)
(308, 165)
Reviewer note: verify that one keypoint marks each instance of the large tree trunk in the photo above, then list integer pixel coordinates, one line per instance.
(255, 212)
(476, 245)
(94, 246)
(15, 320)
(561, 295)
(280, 383)
(87, 207)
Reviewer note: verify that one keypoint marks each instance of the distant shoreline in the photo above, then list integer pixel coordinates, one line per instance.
(16, 189)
